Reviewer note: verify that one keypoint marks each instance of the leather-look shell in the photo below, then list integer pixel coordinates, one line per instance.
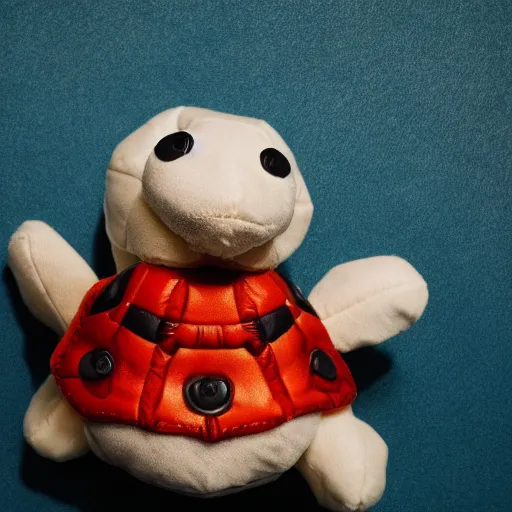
(165, 328)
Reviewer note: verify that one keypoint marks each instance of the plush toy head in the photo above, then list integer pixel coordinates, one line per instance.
(192, 184)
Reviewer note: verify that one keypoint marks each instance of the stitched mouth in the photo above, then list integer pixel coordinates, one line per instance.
(229, 238)
(220, 236)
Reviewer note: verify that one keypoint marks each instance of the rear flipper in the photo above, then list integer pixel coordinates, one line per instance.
(345, 465)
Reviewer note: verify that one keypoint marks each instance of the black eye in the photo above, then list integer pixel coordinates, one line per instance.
(174, 146)
(275, 163)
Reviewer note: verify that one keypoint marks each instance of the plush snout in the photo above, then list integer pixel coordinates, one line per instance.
(223, 186)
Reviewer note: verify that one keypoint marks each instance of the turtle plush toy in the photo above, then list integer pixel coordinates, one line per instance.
(198, 367)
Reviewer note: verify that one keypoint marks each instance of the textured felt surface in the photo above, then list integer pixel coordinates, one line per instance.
(399, 114)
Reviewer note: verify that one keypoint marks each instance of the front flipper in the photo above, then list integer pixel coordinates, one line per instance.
(52, 279)
(345, 465)
(51, 276)
(365, 302)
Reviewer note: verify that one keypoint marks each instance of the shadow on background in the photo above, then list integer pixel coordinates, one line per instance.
(102, 260)
(39, 340)
(93, 485)
(367, 366)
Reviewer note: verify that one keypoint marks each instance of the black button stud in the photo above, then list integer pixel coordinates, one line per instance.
(274, 324)
(113, 293)
(142, 323)
(323, 365)
(299, 297)
(96, 364)
(174, 146)
(208, 395)
(275, 163)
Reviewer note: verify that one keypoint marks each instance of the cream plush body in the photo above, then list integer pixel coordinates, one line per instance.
(218, 205)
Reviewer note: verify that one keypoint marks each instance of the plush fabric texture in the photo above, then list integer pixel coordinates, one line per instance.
(190, 466)
(41, 261)
(364, 302)
(346, 463)
(218, 197)
(398, 113)
(52, 427)
(198, 322)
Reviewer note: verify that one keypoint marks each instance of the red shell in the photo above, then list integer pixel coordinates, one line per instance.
(210, 327)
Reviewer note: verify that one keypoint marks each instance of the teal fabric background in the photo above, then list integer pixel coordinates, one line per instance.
(399, 113)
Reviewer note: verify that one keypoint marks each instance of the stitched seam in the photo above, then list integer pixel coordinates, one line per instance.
(280, 283)
(43, 286)
(113, 169)
(277, 257)
(57, 400)
(149, 375)
(235, 287)
(321, 479)
(129, 212)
